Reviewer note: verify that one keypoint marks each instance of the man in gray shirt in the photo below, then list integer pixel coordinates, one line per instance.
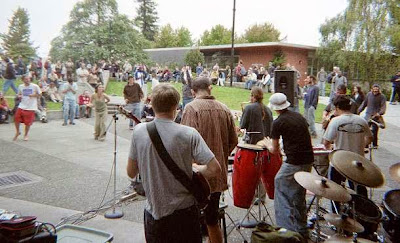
(171, 213)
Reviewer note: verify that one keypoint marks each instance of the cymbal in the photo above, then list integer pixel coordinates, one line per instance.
(344, 222)
(357, 168)
(343, 239)
(394, 171)
(322, 186)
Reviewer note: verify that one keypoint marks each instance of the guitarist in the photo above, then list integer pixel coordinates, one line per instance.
(171, 213)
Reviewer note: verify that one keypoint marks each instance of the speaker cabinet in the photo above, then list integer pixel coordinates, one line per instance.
(285, 82)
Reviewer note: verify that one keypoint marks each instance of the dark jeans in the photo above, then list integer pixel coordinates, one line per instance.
(393, 95)
(180, 227)
(374, 130)
(335, 176)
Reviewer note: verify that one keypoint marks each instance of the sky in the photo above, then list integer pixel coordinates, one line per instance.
(298, 20)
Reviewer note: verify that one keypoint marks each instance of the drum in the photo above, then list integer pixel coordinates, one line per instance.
(367, 214)
(246, 174)
(391, 209)
(269, 168)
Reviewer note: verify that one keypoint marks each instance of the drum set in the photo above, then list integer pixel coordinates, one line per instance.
(357, 216)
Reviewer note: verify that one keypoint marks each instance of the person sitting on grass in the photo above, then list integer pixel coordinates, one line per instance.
(53, 94)
(4, 109)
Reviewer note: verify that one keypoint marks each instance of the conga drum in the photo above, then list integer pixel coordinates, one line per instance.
(246, 174)
(269, 168)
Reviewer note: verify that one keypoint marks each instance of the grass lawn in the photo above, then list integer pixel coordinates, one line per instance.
(232, 97)
(10, 92)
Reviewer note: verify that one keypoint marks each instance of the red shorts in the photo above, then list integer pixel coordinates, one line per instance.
(24, 116)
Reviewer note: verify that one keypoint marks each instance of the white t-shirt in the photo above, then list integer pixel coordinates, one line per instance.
(348, 131)
(28, 103)
(82, 74)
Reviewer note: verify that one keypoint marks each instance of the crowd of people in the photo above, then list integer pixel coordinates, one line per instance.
(203, 129)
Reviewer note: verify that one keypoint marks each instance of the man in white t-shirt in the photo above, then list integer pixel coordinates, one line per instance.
(28, 94)
(82, 73)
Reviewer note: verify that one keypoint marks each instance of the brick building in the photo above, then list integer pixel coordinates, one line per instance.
(300, 56)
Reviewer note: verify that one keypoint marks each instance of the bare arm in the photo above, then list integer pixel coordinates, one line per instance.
(106, 98)
(327, 144)
(132, 168)
(209, 170)
(273, 145)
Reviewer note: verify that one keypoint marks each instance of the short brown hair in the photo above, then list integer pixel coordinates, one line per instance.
(201, 83)
(165, 98)
(258, 94)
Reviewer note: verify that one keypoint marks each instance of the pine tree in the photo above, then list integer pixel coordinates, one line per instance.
(147, 18)
(16, 41)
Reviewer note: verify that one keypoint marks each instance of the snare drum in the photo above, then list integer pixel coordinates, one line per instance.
(391, 209)
(246, 174)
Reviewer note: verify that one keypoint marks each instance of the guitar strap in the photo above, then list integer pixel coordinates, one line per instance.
(178, 174)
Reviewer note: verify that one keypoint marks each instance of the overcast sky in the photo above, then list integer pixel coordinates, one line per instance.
(299, 20)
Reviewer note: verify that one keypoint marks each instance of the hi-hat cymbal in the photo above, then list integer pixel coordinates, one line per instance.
(343, 239)
(344, 223)
(322, 186)
(394, 171)
(357, 168)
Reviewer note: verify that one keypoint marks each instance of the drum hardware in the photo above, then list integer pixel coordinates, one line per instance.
(344, 222)
(343, 239)
(321, 187)
(391, 210)
(394, 172)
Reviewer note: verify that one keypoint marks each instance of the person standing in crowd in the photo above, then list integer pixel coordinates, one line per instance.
(21, 66)
(290, 203)
(395, 88)
(186, 78)
(375, 102)
(256, 118)
(170, 214)
(99, 101)
(133, 95)
(358, 95)
(199, 69)
(69, 65)
(214, 121)
(310, 104)
(69, 90)
(28, 94)
(9, 77)
(349, 132)
(322, 77)
(82, 73)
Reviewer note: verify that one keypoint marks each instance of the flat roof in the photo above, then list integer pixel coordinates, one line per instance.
(242, 45)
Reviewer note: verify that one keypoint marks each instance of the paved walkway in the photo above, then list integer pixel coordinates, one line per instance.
(75, 170)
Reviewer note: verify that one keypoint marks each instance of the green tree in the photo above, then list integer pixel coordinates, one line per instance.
(96, 31)
(218, 35)
(147, 18)
(193, 57)
(16, 42)
(261, 33)
(169, 37)
(358, 41)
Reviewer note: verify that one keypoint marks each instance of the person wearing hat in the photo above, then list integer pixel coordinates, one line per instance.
(292, 127)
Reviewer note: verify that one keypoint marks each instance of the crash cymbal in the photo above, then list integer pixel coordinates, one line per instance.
(394, 171)
(343, 239)
(357, 168)
(344, 222)
(322, 186)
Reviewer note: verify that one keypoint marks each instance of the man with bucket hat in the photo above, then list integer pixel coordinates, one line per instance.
(290, 204)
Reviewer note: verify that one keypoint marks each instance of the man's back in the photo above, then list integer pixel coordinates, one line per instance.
(214, 121)
(164, 193)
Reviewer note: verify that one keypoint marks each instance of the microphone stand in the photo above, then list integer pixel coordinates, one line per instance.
(114, 214)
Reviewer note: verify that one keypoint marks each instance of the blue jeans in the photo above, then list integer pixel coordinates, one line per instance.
(249, 84)
(135, 109)
(69, 110)
(393, 95)
(7, 84)
(186, 101)
(290, 199)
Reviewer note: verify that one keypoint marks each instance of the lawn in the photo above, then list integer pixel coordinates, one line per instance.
(10, 93)
(232, 97)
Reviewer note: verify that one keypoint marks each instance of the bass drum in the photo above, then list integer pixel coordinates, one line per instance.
(391, 210)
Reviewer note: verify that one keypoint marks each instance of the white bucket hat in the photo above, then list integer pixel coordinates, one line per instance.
(278, 101)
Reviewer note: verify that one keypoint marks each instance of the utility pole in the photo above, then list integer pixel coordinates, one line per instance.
(233, 42)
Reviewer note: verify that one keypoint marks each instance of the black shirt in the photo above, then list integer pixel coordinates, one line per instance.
(256, 118)
(293, 128)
